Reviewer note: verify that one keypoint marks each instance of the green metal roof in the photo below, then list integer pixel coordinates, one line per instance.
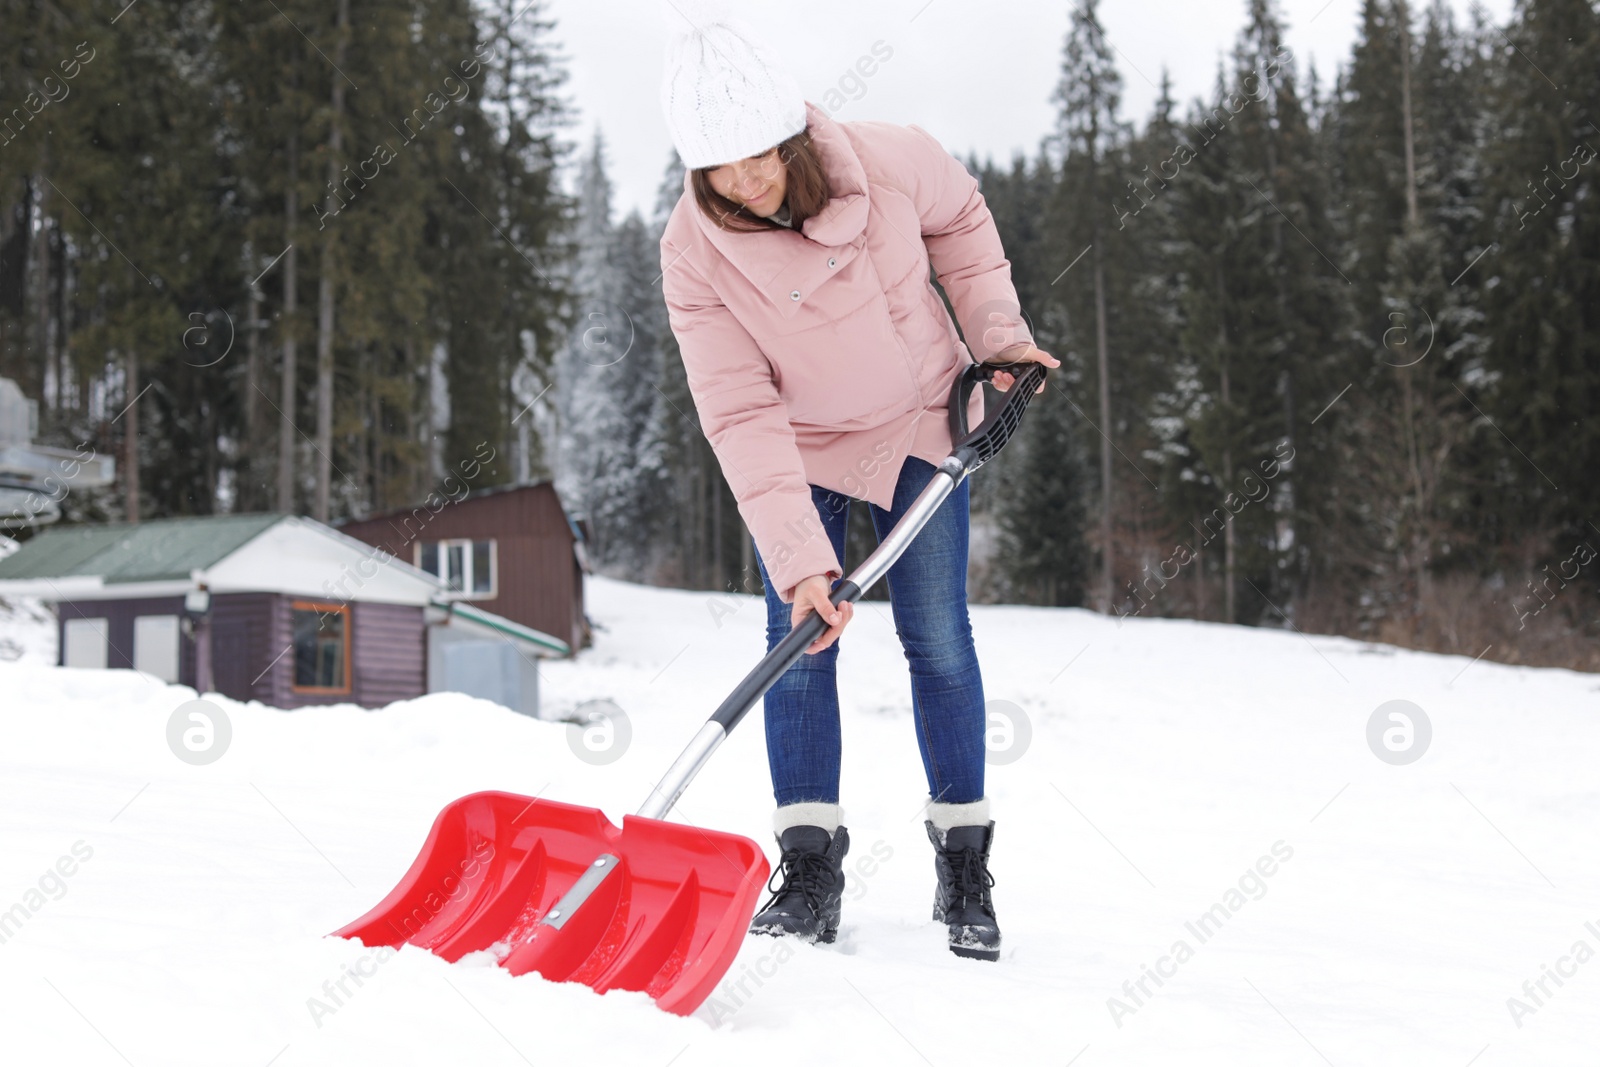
(501, 625)
(154, 551)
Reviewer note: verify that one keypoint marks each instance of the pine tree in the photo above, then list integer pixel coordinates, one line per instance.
(1261, 306)
(646, 491)
(704, 526)
(686, 450)
(1165, 378)
(588, 423)
(1373, 129)
(614, 451)
(1304, 318)
(1416, 421)
(1034, 491)
(502, 304)
(1088, 133)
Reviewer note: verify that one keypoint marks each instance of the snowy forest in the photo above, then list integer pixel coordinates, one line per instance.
(1330, 339)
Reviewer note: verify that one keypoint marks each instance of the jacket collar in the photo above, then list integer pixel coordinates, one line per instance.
(844, 217)
(781, 261)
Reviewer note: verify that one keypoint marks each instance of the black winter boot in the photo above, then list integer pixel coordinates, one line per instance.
(807, 904)
(962, 900)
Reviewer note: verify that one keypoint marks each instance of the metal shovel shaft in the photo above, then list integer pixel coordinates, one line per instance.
(783, 656)
(973, 448)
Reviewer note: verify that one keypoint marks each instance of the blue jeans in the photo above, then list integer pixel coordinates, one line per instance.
(928, 596)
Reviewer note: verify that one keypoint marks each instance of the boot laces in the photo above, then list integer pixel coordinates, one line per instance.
(807, 873)
(972, 878)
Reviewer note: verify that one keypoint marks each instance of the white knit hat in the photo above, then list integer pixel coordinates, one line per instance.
(725, 94)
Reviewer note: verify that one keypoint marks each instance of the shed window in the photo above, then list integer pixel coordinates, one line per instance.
(467, 568)
(321, 647)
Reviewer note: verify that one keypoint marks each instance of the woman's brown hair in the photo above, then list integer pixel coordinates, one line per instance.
(806, 190)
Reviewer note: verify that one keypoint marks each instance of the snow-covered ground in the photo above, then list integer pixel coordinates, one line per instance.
(1362, 912)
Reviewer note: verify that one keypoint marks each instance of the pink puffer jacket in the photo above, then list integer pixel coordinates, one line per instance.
(825, 356)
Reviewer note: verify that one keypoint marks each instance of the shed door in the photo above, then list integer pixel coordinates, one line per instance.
(155, 646)
(84, 643)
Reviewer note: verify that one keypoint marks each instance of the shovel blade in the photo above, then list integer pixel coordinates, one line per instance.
(666, 917)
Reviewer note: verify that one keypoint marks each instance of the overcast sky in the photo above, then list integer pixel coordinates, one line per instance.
(977, 74)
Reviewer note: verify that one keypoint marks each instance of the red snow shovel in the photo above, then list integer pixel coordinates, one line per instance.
(656, 907)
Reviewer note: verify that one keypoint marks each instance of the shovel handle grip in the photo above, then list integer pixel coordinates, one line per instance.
(977, 447)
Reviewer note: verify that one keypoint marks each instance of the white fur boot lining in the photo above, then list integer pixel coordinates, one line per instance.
(827, 816)
(945, 816)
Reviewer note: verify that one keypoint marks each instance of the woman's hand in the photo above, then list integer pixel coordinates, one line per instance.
(812, 595)
(1021, 354)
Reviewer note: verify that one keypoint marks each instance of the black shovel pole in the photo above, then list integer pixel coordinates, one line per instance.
(973, 448)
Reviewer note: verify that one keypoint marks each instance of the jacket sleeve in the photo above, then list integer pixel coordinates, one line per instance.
(964, 247)
(747, 424)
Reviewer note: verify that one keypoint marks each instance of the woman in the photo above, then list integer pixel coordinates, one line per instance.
(795, 269)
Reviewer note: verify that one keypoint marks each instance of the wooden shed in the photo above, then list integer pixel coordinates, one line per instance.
(510, 550)
(267, 607)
